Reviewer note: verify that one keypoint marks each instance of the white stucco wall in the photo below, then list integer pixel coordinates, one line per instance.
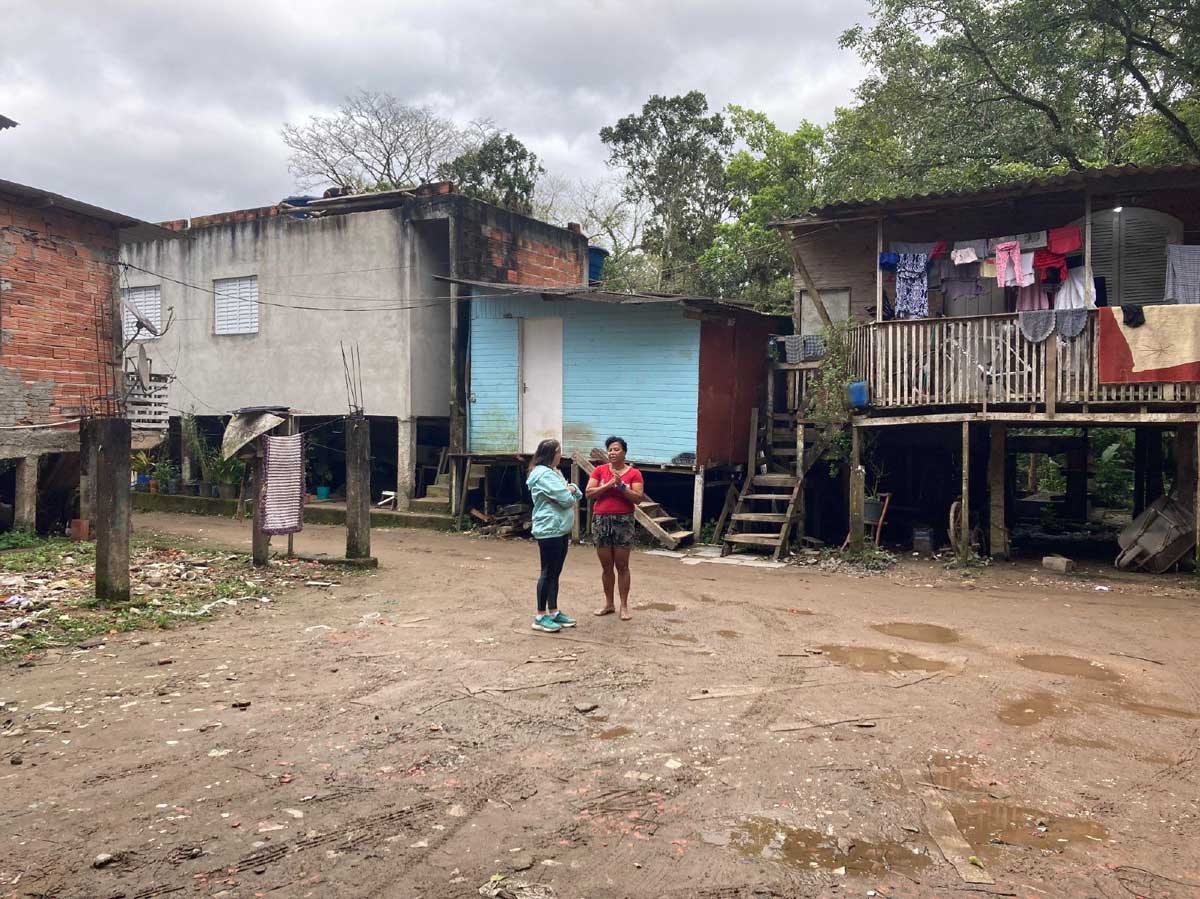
(365, 260)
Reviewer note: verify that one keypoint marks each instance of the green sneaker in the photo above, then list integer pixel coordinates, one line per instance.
(563, 620)
(546, 623)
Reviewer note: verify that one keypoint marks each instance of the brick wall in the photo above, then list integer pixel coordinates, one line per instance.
(501, 246)
(56, 316)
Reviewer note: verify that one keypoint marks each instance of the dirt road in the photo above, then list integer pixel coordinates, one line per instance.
(755, 732)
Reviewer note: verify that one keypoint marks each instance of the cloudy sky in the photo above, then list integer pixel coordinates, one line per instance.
(167, 109)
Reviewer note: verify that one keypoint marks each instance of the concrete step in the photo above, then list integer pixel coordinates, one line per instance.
(435, 504)
(437, 490)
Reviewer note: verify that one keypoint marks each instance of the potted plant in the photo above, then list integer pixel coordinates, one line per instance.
(141, 464)
(228, 473)
(200, 452)
(319, 473)
(164, 477)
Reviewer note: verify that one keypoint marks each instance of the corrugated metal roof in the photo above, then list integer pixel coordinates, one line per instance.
(1113, 177)
(131, 228)
(599, 295)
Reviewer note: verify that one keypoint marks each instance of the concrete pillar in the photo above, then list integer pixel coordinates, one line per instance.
(997, 492)
(358, 487)
(111, 441)
(25, 508)
(698, 503)
(406, 462)
(87, 473)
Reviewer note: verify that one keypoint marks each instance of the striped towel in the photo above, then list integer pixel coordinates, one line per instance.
(282, 505)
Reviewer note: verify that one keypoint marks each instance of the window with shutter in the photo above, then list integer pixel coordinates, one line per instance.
(236, 305)
(147, 301)
(1129, 250)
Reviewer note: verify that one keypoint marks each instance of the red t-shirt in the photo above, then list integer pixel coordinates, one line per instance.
(613, 503)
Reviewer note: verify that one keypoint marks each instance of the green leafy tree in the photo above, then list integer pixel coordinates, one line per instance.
(673, 156)
(775, 174)
(501, 170)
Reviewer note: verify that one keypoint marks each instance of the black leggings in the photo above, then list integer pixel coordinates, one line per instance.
(553, 551)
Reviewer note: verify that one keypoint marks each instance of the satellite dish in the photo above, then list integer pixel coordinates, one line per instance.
(143, 368)
(141, 319)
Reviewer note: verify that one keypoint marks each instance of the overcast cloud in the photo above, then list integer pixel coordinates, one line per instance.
(166, 110)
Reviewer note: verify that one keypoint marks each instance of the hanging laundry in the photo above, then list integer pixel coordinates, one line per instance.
(939, 250)
(980, 247)
(1071, 295)
(1030, 240)
(1066, 239)
(1183, 274)
(1032, 296)
(282, 505)
(1045, 261)
(912, 286)
(1070, 322)
(1133, 316)
(1036, 325)
(987, 268)
(1074, 262)
(1164, 349)
(964, 256)
(1009, 254)
(887, 261)
(923, 249)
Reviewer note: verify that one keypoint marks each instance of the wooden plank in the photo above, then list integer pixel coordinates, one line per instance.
(998, 531)
(752, 450)
(698, 501)
(878, 270)
(766, 517)
(857, 490)
(773, 480)
(940, 826)
(964, 538)
(806, 281)
(1051, 378)
(731, 498)
(757, 539)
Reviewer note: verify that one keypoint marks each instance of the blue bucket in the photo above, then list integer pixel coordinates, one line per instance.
(858, 394)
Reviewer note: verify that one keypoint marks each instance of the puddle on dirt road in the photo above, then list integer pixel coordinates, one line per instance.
(954, 772)
(1028, 710)
(921, 633)
(728, 635)
(989, 825)
(615, 733)
(862, 658)
(1068, 665)
(1154, 711)
(766, 838)
(658, 606)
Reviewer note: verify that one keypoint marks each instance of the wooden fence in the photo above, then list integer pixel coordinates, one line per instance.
(981, 361)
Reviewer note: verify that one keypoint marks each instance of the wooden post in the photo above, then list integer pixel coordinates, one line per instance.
(260, 543)
(964, 540)
(575, 517)
(358, 487)
(997, 470)
(1154, 466)
(1196, 475)
(1089, 286)
(803, 281)
(87, 473)
(858, 477)
(1051, 382)
(698, 502)
(878, 270)
(798, 527)
(752, 452)
(1140, 451)
(111, 443)
(457, 412)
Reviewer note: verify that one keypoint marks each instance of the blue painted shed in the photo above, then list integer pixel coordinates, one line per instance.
(676, 377)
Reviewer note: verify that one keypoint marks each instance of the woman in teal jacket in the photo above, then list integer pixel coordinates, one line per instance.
(554, 502)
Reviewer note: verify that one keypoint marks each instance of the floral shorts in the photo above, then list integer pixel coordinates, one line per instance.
(613, 530)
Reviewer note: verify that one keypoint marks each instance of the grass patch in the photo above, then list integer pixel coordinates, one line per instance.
(18, 539)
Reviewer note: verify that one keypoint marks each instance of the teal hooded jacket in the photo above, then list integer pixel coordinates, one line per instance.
(553, 503)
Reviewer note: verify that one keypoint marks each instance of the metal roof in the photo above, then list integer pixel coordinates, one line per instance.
(1110, 178)
(600, 295)
(131, 229)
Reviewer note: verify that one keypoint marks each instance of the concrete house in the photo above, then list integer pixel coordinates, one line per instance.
(59, 344)
(263, 300)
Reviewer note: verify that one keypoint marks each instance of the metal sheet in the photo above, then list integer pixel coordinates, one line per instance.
(244, 428)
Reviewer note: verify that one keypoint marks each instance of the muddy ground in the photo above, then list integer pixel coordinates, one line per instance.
(756, 732)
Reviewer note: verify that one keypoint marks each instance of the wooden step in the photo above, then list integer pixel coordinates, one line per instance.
(663, 520)
(681, 536)
(777, 497)
(774, 480)
(772, 517)
(756, 539)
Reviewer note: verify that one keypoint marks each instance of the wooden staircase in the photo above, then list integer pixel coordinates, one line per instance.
(649, 514)
(769, 506)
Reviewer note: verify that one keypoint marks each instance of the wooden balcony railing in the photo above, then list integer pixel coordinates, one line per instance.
(981, 361)
(147, 410)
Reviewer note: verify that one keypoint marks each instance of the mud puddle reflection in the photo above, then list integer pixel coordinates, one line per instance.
(862, 658)
(1029, 710)
(989, 825)
(1069, 666)
(921, 633)
(799, 847)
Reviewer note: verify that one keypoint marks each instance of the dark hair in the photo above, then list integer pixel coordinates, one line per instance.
(621, 440)
(544, 454)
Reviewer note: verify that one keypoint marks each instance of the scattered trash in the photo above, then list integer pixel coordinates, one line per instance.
(522, 863)
(241, 705)
(500, 887)
(1059, 564)
(15, 760)
(1100, 588)
(103, 860)
(673, 764)
(166, 661)
(584, 708)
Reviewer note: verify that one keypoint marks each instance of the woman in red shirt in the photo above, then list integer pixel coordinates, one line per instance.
(613, 490)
